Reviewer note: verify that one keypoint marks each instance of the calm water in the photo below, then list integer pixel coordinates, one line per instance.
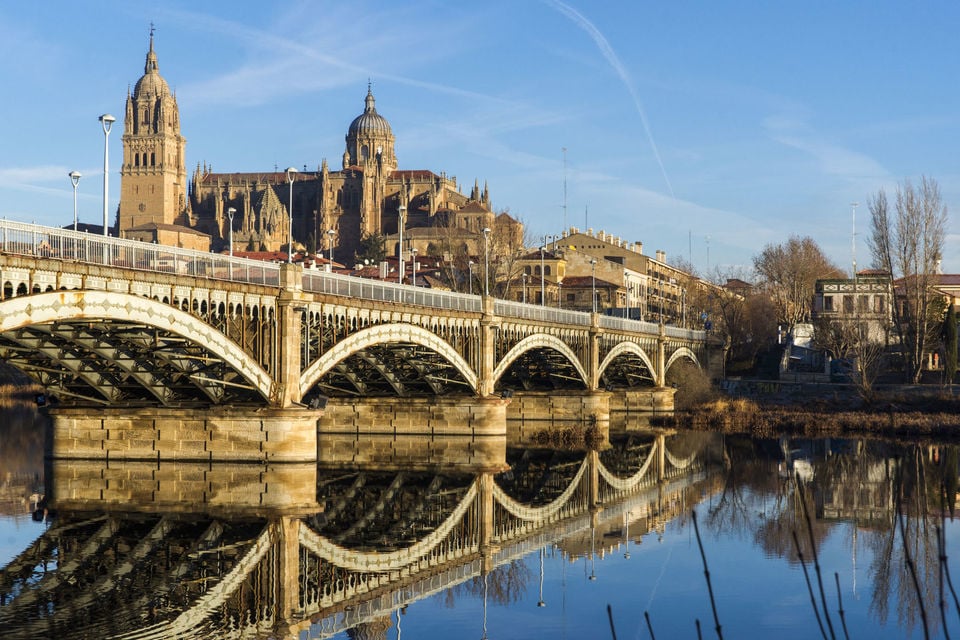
(633, 549)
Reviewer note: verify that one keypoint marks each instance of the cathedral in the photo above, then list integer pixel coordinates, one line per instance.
(368, 196)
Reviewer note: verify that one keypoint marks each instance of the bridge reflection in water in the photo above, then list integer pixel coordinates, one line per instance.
(147, 550)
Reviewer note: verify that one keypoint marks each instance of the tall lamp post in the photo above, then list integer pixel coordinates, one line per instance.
(230, 213)
(402, 211)
(413, 261)
(106, 121)
(524, 288)
(486, 261)
(470, 270)
(291, 176)
(543, 295)
(75, 179)
(593, 283)
(330, 234)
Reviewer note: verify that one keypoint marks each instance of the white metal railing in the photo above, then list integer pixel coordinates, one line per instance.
(20, 238)
(626, 324)
(378, 291)
(26, 239)
(509, 309)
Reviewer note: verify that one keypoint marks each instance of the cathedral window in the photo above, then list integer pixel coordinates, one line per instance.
(136, 159)
(153, 159)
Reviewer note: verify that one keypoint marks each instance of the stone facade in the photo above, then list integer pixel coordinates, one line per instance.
(368, 196)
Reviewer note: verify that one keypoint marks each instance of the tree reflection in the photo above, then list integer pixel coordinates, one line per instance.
(856, 489)
(506, 584)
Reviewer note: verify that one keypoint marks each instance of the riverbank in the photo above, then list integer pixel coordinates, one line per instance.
(902, 412)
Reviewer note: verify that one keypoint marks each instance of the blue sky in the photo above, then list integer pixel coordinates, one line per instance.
(705, 129)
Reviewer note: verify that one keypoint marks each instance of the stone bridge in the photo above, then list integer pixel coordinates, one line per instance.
(127, 326)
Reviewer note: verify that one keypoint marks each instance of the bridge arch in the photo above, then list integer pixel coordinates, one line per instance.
(627, 348)
(682, 352)
(67, 305)
(540, 341)
(386, 334)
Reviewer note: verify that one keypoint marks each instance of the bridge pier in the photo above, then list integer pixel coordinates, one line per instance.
(186, 435)
(535, 415)
(642, 401)
(462, 431)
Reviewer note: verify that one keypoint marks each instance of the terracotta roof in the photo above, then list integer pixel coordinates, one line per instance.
(474, 207)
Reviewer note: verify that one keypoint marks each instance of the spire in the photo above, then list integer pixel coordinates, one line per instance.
(151, 64)
(369, 102)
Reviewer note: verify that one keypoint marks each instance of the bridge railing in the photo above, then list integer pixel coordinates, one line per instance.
(378, 291)
(625, 324)
(62, 244)
(506, 308)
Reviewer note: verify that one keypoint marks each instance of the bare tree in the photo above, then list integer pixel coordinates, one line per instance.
(790, 272)
(909, 246)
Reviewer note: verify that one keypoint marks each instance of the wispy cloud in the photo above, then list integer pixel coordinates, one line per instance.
(833, 159)
(614, 61)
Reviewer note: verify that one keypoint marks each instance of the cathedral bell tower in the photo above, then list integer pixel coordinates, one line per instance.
(153, 176)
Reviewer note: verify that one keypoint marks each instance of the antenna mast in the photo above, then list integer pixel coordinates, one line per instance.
(564, 188)
(853, 239)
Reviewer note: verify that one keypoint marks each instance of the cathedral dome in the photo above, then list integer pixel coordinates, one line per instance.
(369, 122)
(152, 83)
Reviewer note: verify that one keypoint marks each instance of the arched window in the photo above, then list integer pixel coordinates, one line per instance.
(546, 270)
(136, 159)
(153, 159)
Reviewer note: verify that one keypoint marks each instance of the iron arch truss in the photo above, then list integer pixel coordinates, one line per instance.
(390, 360)
(102, 348)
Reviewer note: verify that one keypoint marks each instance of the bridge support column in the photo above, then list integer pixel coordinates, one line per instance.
(289, 578)
(489, 324)
(289, 308)
(642, 401)
(593, 353)
(487, 524)
(661, 376)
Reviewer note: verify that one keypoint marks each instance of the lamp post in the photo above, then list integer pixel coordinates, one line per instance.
(330, 234)
(470, 270)
(543, 294)
(106, 121)
(486, 261)
(75, 179)
(524, 288)
(593, 284)
(413, 261)
(541, 602)
(291, 176)
(230, 213)
(402, 211)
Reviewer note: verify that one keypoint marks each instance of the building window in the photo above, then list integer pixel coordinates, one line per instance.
(546, 270)
(863, 303)
(879, 304)
(848, 304)
(828, 303)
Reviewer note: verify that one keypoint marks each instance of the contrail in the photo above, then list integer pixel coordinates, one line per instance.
(614, 61)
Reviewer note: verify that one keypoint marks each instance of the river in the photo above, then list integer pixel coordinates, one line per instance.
(561, 544)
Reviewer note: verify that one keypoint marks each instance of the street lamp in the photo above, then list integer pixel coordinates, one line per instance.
(414, 261)
(75, 179)
(330, 234)
(593, 284)
(524, 288)
(470, 270)
(400, 222)
(486, 261)
(543, 295)
(230, 213)
(106, 121)
(291, 176)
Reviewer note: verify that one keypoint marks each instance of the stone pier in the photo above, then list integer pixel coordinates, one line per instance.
(183, 435)
(467, 432)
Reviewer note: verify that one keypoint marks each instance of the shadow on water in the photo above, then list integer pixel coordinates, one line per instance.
(23, 431)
